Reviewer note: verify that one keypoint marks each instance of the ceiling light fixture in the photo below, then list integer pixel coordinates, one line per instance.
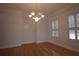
(36, 16)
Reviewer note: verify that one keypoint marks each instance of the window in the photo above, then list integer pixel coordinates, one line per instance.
(55, 32)
(71, 21)
(73, 25)
(77, 26)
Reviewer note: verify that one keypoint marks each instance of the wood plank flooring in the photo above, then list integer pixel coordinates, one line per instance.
(41, 49)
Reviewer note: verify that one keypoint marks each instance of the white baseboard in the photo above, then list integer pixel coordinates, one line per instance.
(10, 46)
(70, 48)
(28, 42)
(40, 41)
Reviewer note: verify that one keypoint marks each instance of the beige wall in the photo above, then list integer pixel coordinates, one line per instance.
(63, 29)
(11, 28)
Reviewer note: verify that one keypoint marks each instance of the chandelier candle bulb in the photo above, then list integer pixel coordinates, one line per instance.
(42, 16)
(32, 13)
(30, 16)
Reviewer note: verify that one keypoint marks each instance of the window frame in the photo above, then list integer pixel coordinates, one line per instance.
(55, 29)
(75, 28)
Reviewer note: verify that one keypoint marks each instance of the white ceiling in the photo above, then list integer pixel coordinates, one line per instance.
(37, 7)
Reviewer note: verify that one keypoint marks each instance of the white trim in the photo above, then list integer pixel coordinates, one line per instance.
(15, 45)
(28, 42)
(10, 46)
(40, 41)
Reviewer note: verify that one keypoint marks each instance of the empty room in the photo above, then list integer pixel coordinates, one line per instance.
(39, 29)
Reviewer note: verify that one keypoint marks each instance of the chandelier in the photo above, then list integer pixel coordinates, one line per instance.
(36, 16)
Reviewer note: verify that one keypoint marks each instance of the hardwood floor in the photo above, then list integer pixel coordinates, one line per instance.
(41, 49)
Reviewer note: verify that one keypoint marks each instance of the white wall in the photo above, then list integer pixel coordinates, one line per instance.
(29, 31)
(11, 28)
(42, 32)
